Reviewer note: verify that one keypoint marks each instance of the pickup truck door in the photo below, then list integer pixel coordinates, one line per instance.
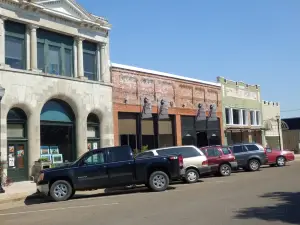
(92, 171)
(121, 166)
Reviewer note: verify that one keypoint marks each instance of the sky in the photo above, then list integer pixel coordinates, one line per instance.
(254, 41)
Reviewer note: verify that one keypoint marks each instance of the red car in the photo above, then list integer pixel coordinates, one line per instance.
(221, 159)
(279, 157)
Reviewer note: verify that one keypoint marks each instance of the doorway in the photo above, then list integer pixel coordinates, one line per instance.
(202, 139)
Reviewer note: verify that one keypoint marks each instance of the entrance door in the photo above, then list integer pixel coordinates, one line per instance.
(17, 161)
(202, 139)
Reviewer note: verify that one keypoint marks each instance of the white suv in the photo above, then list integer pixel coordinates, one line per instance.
(195, 162)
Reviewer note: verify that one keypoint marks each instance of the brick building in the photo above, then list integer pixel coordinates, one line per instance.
(133, 86)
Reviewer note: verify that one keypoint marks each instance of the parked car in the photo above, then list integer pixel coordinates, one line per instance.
(221, 159)
(107, 168)
(249, 156)
(277, 157)
(195, 162)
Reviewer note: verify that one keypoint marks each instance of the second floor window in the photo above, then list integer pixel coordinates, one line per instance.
(15, 48)
(90, 60)
(55, 53)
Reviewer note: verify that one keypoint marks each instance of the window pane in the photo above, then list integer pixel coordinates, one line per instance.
(226, 151)
(252, 118)
(227, 112)
(245, 119)
(168, 151)
(252, 148)
(119, 154)
(211, 153)
(257, 118)
(91, 132)
(238, 149)
(89, 64)
(15, 130)
(188, 152)
(96, 158)
(236, 116)
(54, 60)
(14, 52)
(41, 56)
(68, 62)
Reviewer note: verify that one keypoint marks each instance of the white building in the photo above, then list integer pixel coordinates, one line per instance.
(271, 120)
(54, 66)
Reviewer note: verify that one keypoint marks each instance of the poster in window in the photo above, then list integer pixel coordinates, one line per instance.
(44, 150)
(54, 150)
(95, 145)
(11, 149)
(20, 156)
(11, 160)
(89, 146)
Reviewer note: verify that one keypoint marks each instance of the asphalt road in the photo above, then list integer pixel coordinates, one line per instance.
(270, 196)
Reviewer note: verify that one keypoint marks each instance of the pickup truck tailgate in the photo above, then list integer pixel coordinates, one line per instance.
(176, 164)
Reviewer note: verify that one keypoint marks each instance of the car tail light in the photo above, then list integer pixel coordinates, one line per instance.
(205, 163)
(180, 159)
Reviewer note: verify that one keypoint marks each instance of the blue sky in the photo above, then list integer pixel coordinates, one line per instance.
(254, 41)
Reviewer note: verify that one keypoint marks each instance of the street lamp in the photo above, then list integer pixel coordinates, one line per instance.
(278, 125)
(2, 92)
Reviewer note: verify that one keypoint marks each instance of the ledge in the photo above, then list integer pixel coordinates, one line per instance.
(38, 73)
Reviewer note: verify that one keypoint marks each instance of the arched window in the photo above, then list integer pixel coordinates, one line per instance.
(93, 131)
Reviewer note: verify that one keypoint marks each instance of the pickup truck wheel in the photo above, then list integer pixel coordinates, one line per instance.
(225, 170)
(158, 181)
(61, 190)
(280, 161)
(191, 176)
(253, 165)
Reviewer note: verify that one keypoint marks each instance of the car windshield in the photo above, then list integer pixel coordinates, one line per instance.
(77, 160)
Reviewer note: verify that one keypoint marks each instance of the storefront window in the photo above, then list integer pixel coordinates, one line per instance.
(165, 130)
(93, 132)
(127, 129)
(148, 138)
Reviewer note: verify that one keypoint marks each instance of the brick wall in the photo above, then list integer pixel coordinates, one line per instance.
(130, 87)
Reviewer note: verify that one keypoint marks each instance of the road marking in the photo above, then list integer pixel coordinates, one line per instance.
(57, 209)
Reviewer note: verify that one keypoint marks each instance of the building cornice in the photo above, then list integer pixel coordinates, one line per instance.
(90, 22)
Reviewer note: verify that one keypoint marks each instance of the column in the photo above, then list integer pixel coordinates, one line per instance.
(2, 41)
(80, 72)
(104, 72)
(99, 67)
(178, 133)
(75, 68)
(81, 133)
(33, 47)
(34, 140)
(28, 46)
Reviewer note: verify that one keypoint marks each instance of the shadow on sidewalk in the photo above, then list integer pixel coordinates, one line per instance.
(39, 199)
(286, 211)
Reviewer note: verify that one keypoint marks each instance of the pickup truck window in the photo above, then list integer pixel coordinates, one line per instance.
(97, 157)
(119, 154)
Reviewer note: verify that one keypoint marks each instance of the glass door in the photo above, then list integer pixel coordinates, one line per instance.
(17, 169)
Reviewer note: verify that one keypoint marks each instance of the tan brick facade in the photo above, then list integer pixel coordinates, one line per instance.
(131, 86)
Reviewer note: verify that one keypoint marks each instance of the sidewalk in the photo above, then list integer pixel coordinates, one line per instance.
(18, 191)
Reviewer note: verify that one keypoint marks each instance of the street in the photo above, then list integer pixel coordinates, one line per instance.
(270, 196)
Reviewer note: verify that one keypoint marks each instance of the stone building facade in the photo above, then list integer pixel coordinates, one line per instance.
(271, 123)
(242, 112)
(182, 96)
(54, 59)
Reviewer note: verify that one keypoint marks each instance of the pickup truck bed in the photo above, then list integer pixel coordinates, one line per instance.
(106, 168)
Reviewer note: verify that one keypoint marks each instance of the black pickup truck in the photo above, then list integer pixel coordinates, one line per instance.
(106, 168)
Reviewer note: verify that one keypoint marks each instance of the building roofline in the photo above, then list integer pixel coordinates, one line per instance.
(154, 72)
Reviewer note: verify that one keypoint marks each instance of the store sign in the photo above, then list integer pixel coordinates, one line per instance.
(241, 93)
